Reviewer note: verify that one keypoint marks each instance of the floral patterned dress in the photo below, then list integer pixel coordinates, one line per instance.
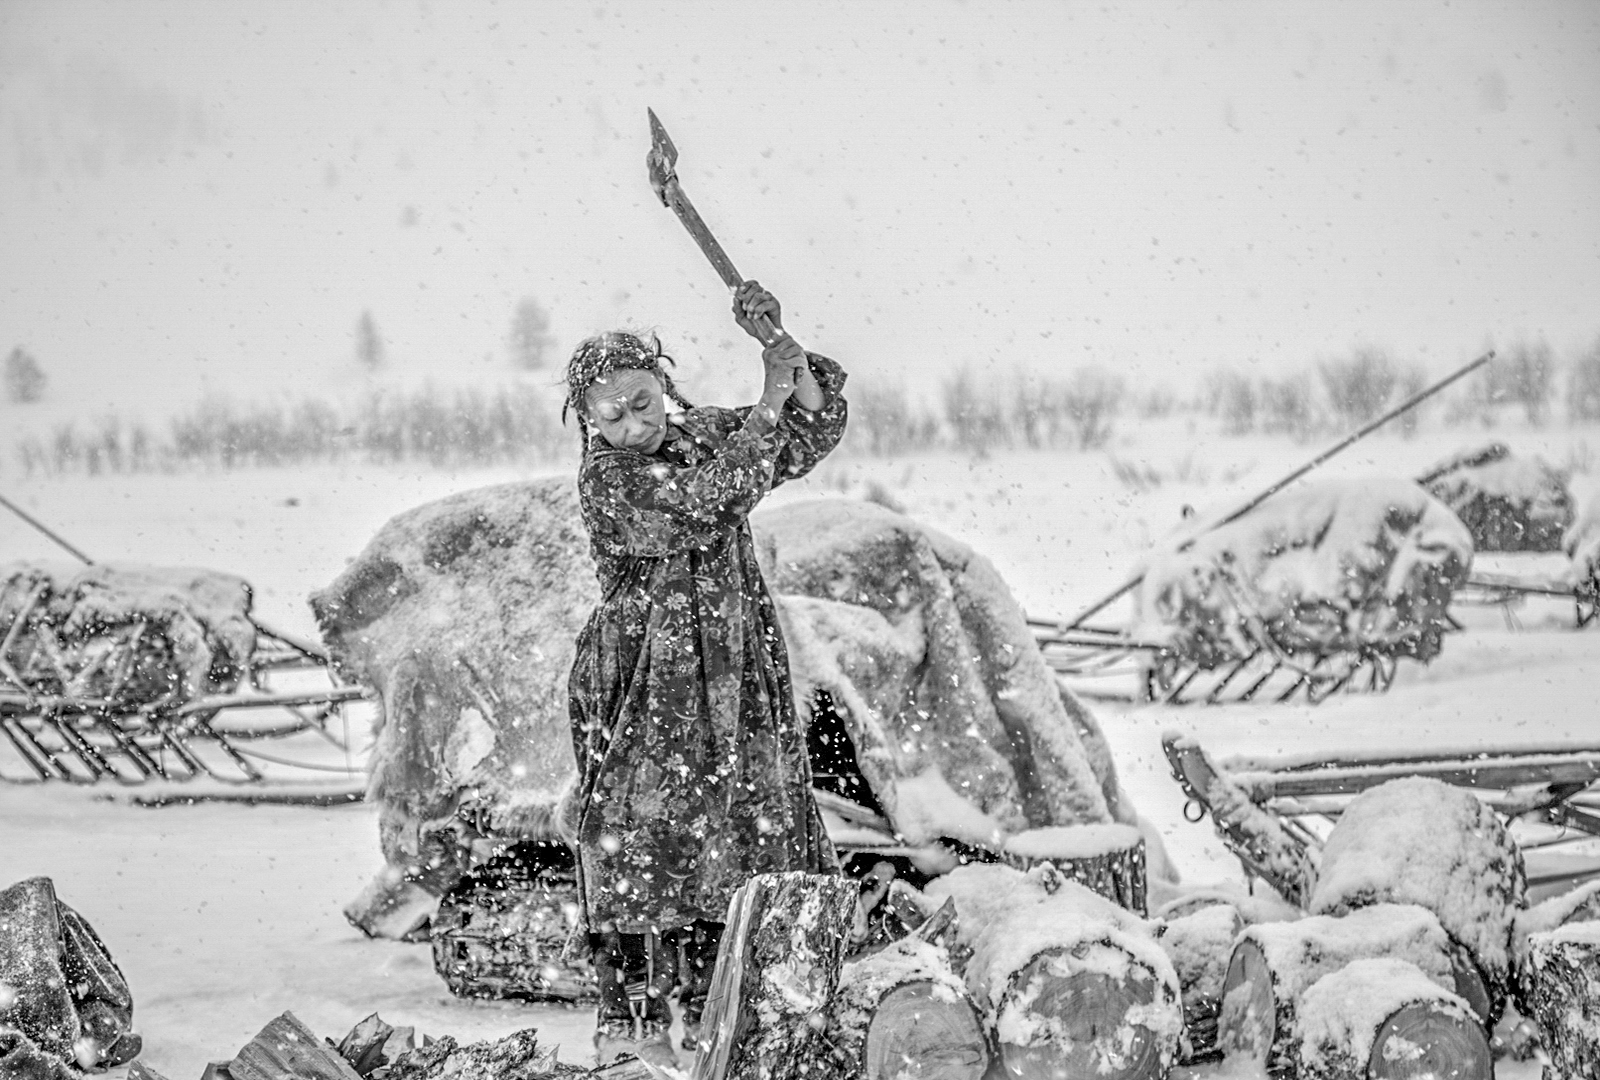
(692, 768)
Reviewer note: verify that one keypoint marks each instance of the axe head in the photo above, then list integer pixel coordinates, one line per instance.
(661, 158)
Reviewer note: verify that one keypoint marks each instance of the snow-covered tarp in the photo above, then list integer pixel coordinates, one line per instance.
(1336, 566)
(1582, 540)
(130, 635)
(959, 726)
(1507, 502)
(463, 614)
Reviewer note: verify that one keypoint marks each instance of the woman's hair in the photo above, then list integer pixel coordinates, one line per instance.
(615, 350)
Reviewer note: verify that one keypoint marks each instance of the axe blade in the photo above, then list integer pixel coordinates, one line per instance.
(661, 158)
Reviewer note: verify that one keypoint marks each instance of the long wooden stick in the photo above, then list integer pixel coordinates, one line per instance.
(42, 527)
(1405, 406)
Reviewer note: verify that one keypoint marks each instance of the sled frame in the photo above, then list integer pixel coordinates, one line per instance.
(75, 740)
(1554, 788)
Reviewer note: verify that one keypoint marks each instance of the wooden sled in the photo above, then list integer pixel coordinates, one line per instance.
(1107, 663)
(1274, 815)
(1510, 591)
(288, 688)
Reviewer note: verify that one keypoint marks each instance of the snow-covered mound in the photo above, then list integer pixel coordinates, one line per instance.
(1419, 841)
(1507, 502)
(132, 635)
(1338, 566)
(958, 725)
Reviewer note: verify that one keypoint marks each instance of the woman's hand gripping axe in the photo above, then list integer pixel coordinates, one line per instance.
(664, 181)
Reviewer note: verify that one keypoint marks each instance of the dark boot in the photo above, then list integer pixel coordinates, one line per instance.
(633, 1015)
(697, 962)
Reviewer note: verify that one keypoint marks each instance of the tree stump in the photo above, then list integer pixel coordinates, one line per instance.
(1419, 841)
(1273, 965)
(1105, 859)
(288, 1050)
(777, 968)
(1200, 946)
(1564, 995)
(1071, 983)
(904, 1007)
(1382, 1019)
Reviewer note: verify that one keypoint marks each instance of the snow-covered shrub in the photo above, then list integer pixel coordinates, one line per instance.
(24, 378)
(1361, 385)
(1507, 502)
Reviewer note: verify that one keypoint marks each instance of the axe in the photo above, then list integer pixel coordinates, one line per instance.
(664, 182)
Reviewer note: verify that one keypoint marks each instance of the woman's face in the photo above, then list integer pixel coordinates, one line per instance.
(626, 407)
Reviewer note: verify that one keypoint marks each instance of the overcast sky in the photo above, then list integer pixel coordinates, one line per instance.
(210, 194)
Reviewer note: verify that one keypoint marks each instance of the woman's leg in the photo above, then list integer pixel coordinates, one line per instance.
(634, 973)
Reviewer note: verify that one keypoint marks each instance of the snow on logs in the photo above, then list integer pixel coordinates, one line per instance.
(1274, 965)
(1071, 984)
(1105, 859)
(1419, 841)
(1336, 566)
(1199, 943)
(1382, 1019)
(904, 1006)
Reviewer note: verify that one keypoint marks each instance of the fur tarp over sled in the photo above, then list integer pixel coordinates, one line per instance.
(1508, 502)
(1357, 567)
(462, 615)
(123, 635)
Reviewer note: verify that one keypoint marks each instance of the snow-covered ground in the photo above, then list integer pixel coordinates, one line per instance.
(222, 916)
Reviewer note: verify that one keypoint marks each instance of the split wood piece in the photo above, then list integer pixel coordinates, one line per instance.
(288, 1050)
(1382, 1019)
(1416, 840)
(1200, 945)
(1105, 859)
(1580, 905)
(1274, 964)
(140, 1071)
(903, 1009)
(1258, 838)
(777, 968)
(1564, 996)
(372, 1044)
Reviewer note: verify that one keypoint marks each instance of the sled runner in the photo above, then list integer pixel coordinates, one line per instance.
(132, 674)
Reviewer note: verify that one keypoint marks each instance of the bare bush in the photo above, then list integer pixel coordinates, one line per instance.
(24, 378)
(1286, 406)
(975, 412)
(1529, 374)
(1359, 385)
(1092, 399)
(1583, 385)
(885, 420)
(1227, 394)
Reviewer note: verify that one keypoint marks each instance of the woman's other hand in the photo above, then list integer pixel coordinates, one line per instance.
(750, 302)
(784, 360)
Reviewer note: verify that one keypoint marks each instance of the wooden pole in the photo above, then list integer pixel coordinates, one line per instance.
(1367, 429)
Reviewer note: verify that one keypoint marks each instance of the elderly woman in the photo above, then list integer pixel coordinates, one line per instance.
(692, 763)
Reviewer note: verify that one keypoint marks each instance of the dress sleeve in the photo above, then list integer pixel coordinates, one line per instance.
(643, 506)
(807, 436)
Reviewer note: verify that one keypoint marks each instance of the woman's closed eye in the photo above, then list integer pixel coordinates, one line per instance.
(610, 411)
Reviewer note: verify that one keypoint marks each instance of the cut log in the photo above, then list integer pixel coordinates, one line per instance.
(1071, 983)
(1564, 995)
(500, 932)
(902, 1008)
(372, 1044)
(518, 1056)
(1273, 964)
(777, 969)
(1105, 859)
(1382, 1019)
(140, 1071)
(1418, 841)
(1200, 946)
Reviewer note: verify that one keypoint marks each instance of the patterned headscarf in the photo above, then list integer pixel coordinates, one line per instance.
(617, 350)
